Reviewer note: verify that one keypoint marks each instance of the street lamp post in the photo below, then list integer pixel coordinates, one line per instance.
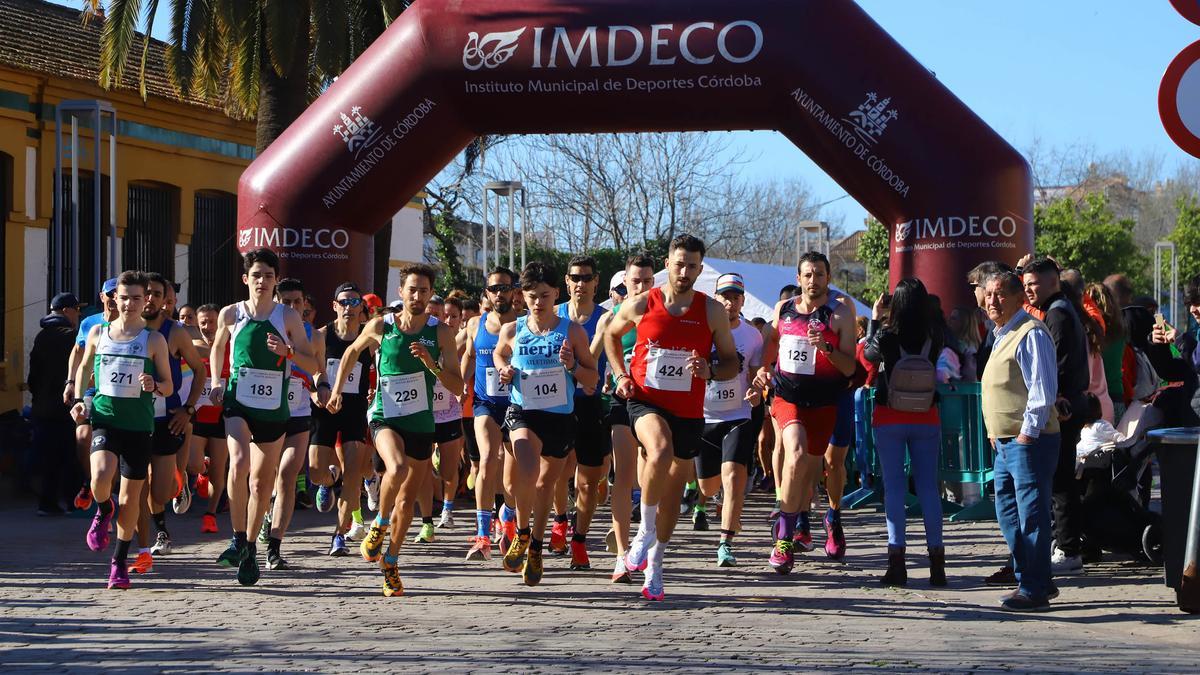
(502, 189)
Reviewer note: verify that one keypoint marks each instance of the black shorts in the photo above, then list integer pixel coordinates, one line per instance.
(163, 442)
(685, 432)
(298, 425)
(209, 429)
(349, 424)
(261, 431)
(555, 430)
(133, 448)
(472, 442)
(445, 432)
(843, 429)
(593, 437)
(418, 446)
(618, 413)
(721, 442)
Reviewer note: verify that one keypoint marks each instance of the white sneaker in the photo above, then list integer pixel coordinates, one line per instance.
(183, 502)
(639, 550)
(162, 544)
(372, 485)
(356, 532)
(446, 522)
(1062, 564)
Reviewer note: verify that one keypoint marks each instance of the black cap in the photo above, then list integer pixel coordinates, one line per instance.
(64, 300)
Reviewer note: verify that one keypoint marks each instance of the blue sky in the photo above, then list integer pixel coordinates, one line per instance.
(1067, 72)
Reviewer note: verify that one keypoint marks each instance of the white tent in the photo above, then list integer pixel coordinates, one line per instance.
(762, 285)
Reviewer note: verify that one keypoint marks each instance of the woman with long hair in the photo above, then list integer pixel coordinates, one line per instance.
(1112, 347)
(905, 325)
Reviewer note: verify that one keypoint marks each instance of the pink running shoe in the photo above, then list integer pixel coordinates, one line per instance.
(783, 556)
(118, 576)
(835, 539)
(97, 534)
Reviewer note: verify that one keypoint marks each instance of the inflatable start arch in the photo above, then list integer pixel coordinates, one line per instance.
(819, 71)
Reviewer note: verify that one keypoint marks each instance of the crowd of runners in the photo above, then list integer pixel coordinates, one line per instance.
(656, 403)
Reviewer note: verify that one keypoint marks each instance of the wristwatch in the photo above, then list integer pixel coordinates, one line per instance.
(190, 410)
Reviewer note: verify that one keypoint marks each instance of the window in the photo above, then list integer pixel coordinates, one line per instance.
(214, 264)
(151, 229)
(82, 253)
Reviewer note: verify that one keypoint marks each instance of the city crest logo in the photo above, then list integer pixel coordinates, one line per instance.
(871, 118)
(357, 130)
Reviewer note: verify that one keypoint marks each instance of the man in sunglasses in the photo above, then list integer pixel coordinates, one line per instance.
(328, 466)
(83, 431)
(593, 444)
(490, 406)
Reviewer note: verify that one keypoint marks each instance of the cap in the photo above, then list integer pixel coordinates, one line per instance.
(397, 305)
(109, 286)
(617, 280)
(373, 301)
(435, 300)
(64, 300)
(731, 282)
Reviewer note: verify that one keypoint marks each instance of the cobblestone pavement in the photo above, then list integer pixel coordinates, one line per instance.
(327, 614)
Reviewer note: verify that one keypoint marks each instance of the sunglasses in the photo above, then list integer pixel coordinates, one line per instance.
(499, 288)
(349, 302)
(581, 278)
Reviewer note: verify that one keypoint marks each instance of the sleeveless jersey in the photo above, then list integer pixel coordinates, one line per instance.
(335, 348)
(542, 383)
(405, 392)
(804, 376)
(162, 405)
(446, 407)
(300, 386)
(725, 400)
(664, 344)
(258, 381)
(488, 387)
(206, 412)
(120, 402)
(564, 311)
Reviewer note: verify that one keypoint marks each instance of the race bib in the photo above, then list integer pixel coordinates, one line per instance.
(118, 377)
(797, 356)
(722, 395)
(441, 398)
(353, 382)
(403, 395)
(544, 388)
(496, 388)
(299, 402)
(666, 369)
(260, 389)
(205, 399)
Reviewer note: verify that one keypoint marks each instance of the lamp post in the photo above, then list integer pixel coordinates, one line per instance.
(499, 190)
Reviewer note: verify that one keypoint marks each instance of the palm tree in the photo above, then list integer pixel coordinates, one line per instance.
(263, 59)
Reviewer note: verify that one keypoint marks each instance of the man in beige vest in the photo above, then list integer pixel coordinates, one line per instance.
(1019, 389)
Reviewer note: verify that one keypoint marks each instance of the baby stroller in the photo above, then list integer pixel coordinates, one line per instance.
(1115, 509)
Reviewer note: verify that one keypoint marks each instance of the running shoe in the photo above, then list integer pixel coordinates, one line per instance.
(436, 460)
(446, 522)
(264, 532)
(180, 483)
(610, 541)
(325, 494)
(835, 539)
(579, 557)
(118, 575)
(558, 537)
(303, 500)
(690, 499)
(356, 532)
(516, 552)
(248, 572)
(275, 560)
(143, 564)
(802, 540)
(425, 536)
(639, 548)
(337, 546)
(83, 500)
(230, 556)
(652, 588)
(620, 575)
(183, 502)
(202, 484)
(480, 550)
(531, 571)
(162, 544)
(208, 523)
(725, 556)
(372, 486)
(471, 481)
(775, 512)
(508, 533)
(700, 521)
(372, 544)
(97, 534)
(783, 556)
(392, 586)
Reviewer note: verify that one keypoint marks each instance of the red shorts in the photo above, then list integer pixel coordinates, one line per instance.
(818, 423)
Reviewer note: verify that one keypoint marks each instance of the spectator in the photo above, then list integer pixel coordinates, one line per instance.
(976, 278)
(1043, 291)
(906, 326)
(1112, 347)
(1184, 341)
(1019, 388)
(53, 429)
(964, 326)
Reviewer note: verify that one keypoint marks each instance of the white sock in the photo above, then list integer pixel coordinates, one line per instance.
(657, 551)
(649, 523)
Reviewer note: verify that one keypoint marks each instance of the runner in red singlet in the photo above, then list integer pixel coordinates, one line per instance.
(677, 329)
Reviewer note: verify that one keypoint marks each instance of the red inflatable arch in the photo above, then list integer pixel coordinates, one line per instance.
(821, 72)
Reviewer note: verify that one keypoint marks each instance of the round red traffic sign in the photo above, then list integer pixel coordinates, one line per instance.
(1190, 9)
(1179, 100)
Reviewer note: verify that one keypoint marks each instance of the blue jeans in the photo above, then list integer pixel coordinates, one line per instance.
(1024, 479)
(923, 442)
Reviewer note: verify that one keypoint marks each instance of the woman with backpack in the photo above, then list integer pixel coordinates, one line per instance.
(905, 340)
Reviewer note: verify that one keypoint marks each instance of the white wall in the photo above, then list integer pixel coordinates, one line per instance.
(408, 245)
(37, 262)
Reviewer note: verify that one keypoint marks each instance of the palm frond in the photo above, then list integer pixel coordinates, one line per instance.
(116, 39)
(330, 28)
(151, 10)
(282, 22)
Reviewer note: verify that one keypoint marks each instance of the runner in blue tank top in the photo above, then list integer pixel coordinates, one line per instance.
(489, 408)
(542, 355)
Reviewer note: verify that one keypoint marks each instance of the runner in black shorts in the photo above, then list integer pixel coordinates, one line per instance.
(208, 430)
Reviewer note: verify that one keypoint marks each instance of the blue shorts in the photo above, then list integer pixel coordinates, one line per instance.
(843, 429)
(493, 409)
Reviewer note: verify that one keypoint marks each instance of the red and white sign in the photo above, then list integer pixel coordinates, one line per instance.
(1190, 9)
(1179, 100)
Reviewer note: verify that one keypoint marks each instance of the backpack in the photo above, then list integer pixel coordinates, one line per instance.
(912, 382)
(1146, 379)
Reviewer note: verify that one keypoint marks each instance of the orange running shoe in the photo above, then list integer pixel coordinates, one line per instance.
(579, 556)
(558, 537)
(481, 549)
(144, 563)
(83, 500)
(202, 486)
(179, 479)
(208, 523)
